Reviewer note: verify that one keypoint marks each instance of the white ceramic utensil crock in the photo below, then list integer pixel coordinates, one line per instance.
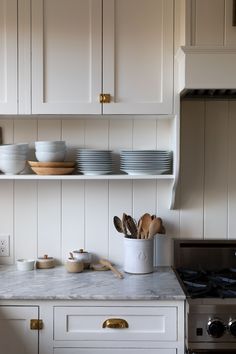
(138, 255)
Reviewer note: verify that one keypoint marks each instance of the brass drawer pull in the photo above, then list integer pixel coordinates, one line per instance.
(115, 323)
(36, 324)
(105, 98)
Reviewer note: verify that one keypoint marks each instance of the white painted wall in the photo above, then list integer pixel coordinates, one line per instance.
(56, 217)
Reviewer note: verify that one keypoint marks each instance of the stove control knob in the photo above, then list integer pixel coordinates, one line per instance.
(232, 327)
(215, 328)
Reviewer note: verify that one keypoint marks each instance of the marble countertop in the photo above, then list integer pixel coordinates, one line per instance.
(58, 284)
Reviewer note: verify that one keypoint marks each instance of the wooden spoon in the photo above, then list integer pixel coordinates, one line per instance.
(156, 227)
(146, 220)
(118, 224)
(108, 264)
(131, 225)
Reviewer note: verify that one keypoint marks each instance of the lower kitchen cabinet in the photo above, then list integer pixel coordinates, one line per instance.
(92, 327)
(16, 337)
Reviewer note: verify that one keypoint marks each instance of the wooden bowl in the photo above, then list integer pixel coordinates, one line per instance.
(51, 164)
(53, 170)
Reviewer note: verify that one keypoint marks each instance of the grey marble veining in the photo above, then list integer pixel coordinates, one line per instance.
(57, 283)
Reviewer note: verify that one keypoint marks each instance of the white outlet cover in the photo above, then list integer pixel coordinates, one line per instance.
(4, 245)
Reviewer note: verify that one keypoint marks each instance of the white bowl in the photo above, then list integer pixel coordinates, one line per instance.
(12, 167)
(25, 264)
(50, 143)
(13, 148)
(50, 156)
(50, 148)
(16, 156)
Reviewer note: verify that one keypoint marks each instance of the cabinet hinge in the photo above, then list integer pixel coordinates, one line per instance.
(36, 324)
(105, 98)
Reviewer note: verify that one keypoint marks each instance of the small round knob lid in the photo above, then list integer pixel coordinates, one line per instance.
(232, 327)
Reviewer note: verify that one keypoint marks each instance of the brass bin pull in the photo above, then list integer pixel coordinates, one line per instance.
(105, 98)
(36, 324)
(115, 323)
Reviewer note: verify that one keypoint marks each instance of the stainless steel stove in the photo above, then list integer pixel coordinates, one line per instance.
(207, 272)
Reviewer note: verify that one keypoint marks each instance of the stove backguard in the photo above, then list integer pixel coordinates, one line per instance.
(206, 254)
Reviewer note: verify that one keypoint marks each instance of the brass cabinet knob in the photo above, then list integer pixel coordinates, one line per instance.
(36, 324)
(105, 98)
(115, 323)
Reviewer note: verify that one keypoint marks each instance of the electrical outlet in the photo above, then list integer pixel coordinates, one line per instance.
(4, 245)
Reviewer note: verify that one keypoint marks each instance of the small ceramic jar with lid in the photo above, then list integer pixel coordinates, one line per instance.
(73, 265)
(45, 262)
(84, 257)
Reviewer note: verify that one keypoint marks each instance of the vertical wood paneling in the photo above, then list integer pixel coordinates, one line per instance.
(7, 217)
(164, 136)
(120, 192)
(209, 22)
(73, 236)
(232, 172)
(96, 134)
(73, 134)
(216, 166)
(7, 131)
(25, 219)
(49, 218)
(25, 131)
(96, 217)
(192, 168)
(120, 201)
(49, 129)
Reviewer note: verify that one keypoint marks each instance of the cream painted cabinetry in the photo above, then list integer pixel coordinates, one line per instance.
(16, 337)
(71, 327)
(211, 23)
(69, 52)
(119, 327)
(8, 56)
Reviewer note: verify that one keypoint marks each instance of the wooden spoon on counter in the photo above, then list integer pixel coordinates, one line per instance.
(108, 264)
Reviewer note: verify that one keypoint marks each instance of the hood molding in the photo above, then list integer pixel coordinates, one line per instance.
(206, 68)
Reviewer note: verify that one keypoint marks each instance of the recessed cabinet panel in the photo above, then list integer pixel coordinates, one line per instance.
(113, 351)
(8, 56)
(16, 337)
(138, 56)
(87, 323)
(66, 56)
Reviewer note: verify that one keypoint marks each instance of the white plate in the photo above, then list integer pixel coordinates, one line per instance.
(138, 172)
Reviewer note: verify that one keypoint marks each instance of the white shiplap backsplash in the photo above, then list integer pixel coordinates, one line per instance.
(55, 217)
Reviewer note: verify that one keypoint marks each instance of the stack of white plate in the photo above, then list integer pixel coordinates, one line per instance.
(94, 162)
(147, 162)
(13, 158)
(50, 151)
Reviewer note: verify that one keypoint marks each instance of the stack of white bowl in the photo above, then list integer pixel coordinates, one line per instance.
(50, 151)
(13, 158)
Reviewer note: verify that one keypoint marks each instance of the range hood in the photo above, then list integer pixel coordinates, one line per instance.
(206, 72)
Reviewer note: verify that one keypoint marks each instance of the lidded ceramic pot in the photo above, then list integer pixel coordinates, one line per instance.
(73, 265)
(84, 257)
(45, 262)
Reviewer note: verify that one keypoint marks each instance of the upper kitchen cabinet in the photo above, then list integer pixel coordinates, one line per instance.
(84, 48)
(211, 23)
(138, 56)
(66, 56)
(8, 56)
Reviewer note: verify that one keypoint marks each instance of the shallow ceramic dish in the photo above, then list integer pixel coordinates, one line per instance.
(53, 170)
(52, 164)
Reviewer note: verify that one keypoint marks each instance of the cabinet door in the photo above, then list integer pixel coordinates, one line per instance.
(66, 56)
(138, 56)
(16, 337)
(8, 56)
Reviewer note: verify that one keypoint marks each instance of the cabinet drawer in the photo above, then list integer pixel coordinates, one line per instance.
(144, 323)
(113, 351)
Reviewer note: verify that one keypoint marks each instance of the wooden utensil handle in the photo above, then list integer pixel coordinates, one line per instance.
(113, 269)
